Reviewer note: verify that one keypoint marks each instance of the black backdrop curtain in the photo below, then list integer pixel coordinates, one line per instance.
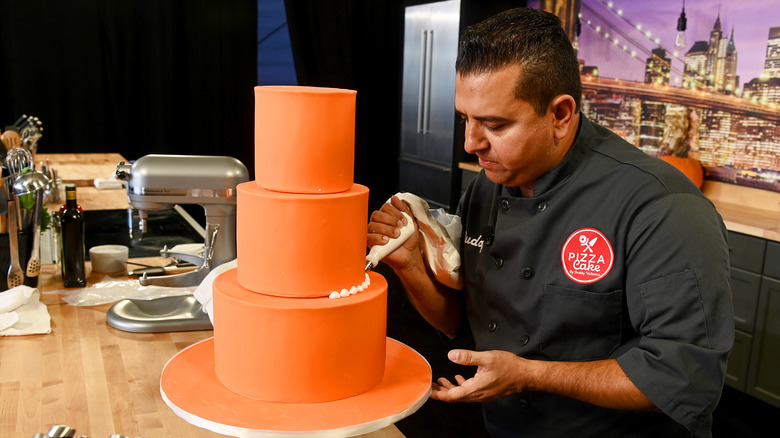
(132, 76)
(358, 45)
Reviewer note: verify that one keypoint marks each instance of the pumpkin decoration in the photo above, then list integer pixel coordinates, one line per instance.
(691, 167)
(680, 132)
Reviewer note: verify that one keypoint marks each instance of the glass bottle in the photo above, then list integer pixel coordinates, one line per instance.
(72, 248)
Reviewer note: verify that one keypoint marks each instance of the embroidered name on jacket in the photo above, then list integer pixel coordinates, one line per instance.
(587, 256)
(475, 241)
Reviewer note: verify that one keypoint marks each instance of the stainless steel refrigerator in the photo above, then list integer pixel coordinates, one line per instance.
(427, 164)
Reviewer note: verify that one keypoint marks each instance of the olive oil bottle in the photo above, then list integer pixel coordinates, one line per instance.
(72, 248)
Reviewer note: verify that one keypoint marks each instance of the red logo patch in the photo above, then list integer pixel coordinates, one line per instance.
(587, 256)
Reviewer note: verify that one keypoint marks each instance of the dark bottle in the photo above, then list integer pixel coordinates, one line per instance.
(72, 230)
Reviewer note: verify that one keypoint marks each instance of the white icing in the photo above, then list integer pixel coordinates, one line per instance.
(352, 290)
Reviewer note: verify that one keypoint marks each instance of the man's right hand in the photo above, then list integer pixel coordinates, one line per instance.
(385, 224)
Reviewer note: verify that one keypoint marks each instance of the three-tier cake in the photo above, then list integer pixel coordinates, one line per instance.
(299, 327)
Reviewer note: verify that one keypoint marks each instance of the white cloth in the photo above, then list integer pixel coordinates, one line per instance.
(22, 313)
(440, 237)
(205, 292)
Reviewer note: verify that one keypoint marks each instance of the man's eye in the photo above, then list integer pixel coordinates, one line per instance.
(493, 127)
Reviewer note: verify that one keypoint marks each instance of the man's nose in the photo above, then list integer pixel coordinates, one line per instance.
(474, 140)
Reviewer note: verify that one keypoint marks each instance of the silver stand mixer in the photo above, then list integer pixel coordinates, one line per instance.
(160, 182)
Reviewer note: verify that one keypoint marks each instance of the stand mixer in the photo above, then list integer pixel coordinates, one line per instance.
(159, 182)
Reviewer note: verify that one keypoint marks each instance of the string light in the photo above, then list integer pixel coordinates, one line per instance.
(682, 23)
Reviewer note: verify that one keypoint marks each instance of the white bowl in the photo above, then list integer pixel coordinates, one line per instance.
(109, 258)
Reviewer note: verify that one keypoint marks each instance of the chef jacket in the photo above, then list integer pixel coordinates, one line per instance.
(616, 255)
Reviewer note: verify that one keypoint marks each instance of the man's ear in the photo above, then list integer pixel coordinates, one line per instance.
(564, 111)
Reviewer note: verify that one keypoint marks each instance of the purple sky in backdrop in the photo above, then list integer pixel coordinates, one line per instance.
(750, 21)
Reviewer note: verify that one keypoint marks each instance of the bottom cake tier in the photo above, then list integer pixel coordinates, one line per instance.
(298, 350)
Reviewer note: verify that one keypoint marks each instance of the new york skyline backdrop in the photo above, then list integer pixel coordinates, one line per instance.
(750, 22)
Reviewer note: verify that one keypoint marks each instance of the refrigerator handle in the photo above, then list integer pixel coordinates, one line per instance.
(421, 90)
(428, 75)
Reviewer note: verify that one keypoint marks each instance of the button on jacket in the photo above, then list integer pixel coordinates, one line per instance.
(617, 255)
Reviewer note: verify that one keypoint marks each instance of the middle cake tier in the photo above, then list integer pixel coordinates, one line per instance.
(301, 245)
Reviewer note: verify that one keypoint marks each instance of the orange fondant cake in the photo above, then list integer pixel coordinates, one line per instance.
(298, 350)
(301, 245)
(304, 139)
(299, 321)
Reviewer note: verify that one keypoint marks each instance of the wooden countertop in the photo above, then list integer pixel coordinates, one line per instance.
(86, 374)
(746, 210)
(91, 376)
(82, 170)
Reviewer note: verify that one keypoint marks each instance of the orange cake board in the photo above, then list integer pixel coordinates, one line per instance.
(190, 387)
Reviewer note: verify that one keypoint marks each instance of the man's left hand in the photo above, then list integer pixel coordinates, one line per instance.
(498, 375)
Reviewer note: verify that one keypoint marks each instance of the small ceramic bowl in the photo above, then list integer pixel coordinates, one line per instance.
(109, 258)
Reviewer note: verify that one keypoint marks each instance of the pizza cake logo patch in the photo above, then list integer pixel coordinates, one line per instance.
(587, 256)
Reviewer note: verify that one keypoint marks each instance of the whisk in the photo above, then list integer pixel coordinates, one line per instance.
(17, 160)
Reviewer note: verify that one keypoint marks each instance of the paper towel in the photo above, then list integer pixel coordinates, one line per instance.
(22, 313)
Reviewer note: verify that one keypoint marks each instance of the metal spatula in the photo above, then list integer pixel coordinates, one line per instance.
(15, 274)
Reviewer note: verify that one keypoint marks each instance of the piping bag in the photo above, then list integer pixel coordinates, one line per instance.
(378, 252)
(439, 230)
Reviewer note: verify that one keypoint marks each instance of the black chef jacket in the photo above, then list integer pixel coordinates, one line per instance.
(617, 255)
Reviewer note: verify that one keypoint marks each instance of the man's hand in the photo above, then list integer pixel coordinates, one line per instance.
(498, 375)
(438, 304)
(385, 224)
(501, 373)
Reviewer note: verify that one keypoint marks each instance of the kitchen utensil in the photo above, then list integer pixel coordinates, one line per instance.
(61, 431)
(24, 186)
(162, 270)
(29, 182)
(3, 198)
(15, 274)
(34, 264)
(20, 120)
(11, 139)
(378, 252)
(17, 160)
(30, 133)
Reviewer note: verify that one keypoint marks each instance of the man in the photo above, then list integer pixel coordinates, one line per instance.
(595, 276)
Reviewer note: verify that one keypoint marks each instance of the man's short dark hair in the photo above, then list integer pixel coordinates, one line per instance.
(531, 39)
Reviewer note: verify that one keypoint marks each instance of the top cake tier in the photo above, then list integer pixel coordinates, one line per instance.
(304, 139)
